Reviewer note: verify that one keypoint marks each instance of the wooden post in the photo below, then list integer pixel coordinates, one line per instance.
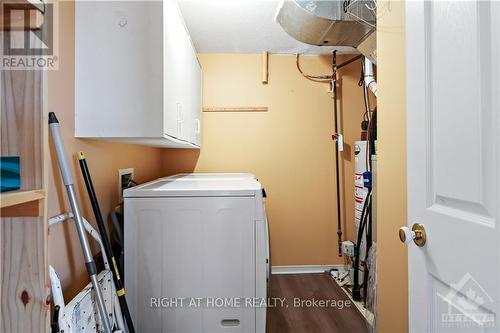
(265, 67)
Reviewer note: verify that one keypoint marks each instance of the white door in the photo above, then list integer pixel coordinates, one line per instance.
(454, 164)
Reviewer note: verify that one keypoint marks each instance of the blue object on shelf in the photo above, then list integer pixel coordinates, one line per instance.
(10, 173)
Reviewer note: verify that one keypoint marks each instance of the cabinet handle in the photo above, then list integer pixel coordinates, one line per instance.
(198, 126)
(180, 114)
(180, 119)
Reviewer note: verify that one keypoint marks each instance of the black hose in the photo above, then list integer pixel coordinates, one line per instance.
(356, 289)
(368, 247)
(120, 290)
(117, 227)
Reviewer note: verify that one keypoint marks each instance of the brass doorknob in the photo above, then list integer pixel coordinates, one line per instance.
(416, 234)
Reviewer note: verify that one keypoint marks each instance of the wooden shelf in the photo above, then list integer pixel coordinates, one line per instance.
(8, 199)
(236, 109)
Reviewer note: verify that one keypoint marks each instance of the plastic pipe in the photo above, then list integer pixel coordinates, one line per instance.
(370, 77)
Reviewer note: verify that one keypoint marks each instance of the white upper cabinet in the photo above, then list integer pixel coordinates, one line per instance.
(137, 76)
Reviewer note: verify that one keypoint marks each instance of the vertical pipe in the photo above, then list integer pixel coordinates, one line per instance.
(337, 166)
(370, 82)
(265, 67)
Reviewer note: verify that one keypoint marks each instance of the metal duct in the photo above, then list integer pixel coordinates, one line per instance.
(332, 23)
(368, 47)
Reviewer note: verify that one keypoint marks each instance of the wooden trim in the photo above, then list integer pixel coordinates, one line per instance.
(44, 247)
(265, 67)
(19, 197)
(304, 269)
(237, 109)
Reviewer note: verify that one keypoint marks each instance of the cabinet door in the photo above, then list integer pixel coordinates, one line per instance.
(118, 69)
(175, 59)
(193, 96)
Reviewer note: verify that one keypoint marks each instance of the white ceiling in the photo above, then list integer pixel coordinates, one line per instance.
(242, 26)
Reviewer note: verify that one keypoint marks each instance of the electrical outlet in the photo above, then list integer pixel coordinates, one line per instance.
(124, 177)
(348, 248)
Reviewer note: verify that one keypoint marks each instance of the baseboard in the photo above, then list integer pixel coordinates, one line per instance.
(304, 269)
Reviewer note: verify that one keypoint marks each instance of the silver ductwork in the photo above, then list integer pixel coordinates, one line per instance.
(368, 47)
(331, 23)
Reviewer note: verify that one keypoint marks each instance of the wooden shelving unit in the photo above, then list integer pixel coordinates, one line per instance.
(24, 283)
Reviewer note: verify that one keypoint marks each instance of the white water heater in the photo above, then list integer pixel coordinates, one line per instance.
(361, 164)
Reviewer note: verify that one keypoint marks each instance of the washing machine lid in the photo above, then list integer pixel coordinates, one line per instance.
(198, 185)
(211, 176)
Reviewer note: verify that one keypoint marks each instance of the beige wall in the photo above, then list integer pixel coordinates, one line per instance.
(288, 148)
(392, 267)
(104, 160)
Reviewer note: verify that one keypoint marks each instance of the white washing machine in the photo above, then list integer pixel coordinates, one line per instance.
(197, 254)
